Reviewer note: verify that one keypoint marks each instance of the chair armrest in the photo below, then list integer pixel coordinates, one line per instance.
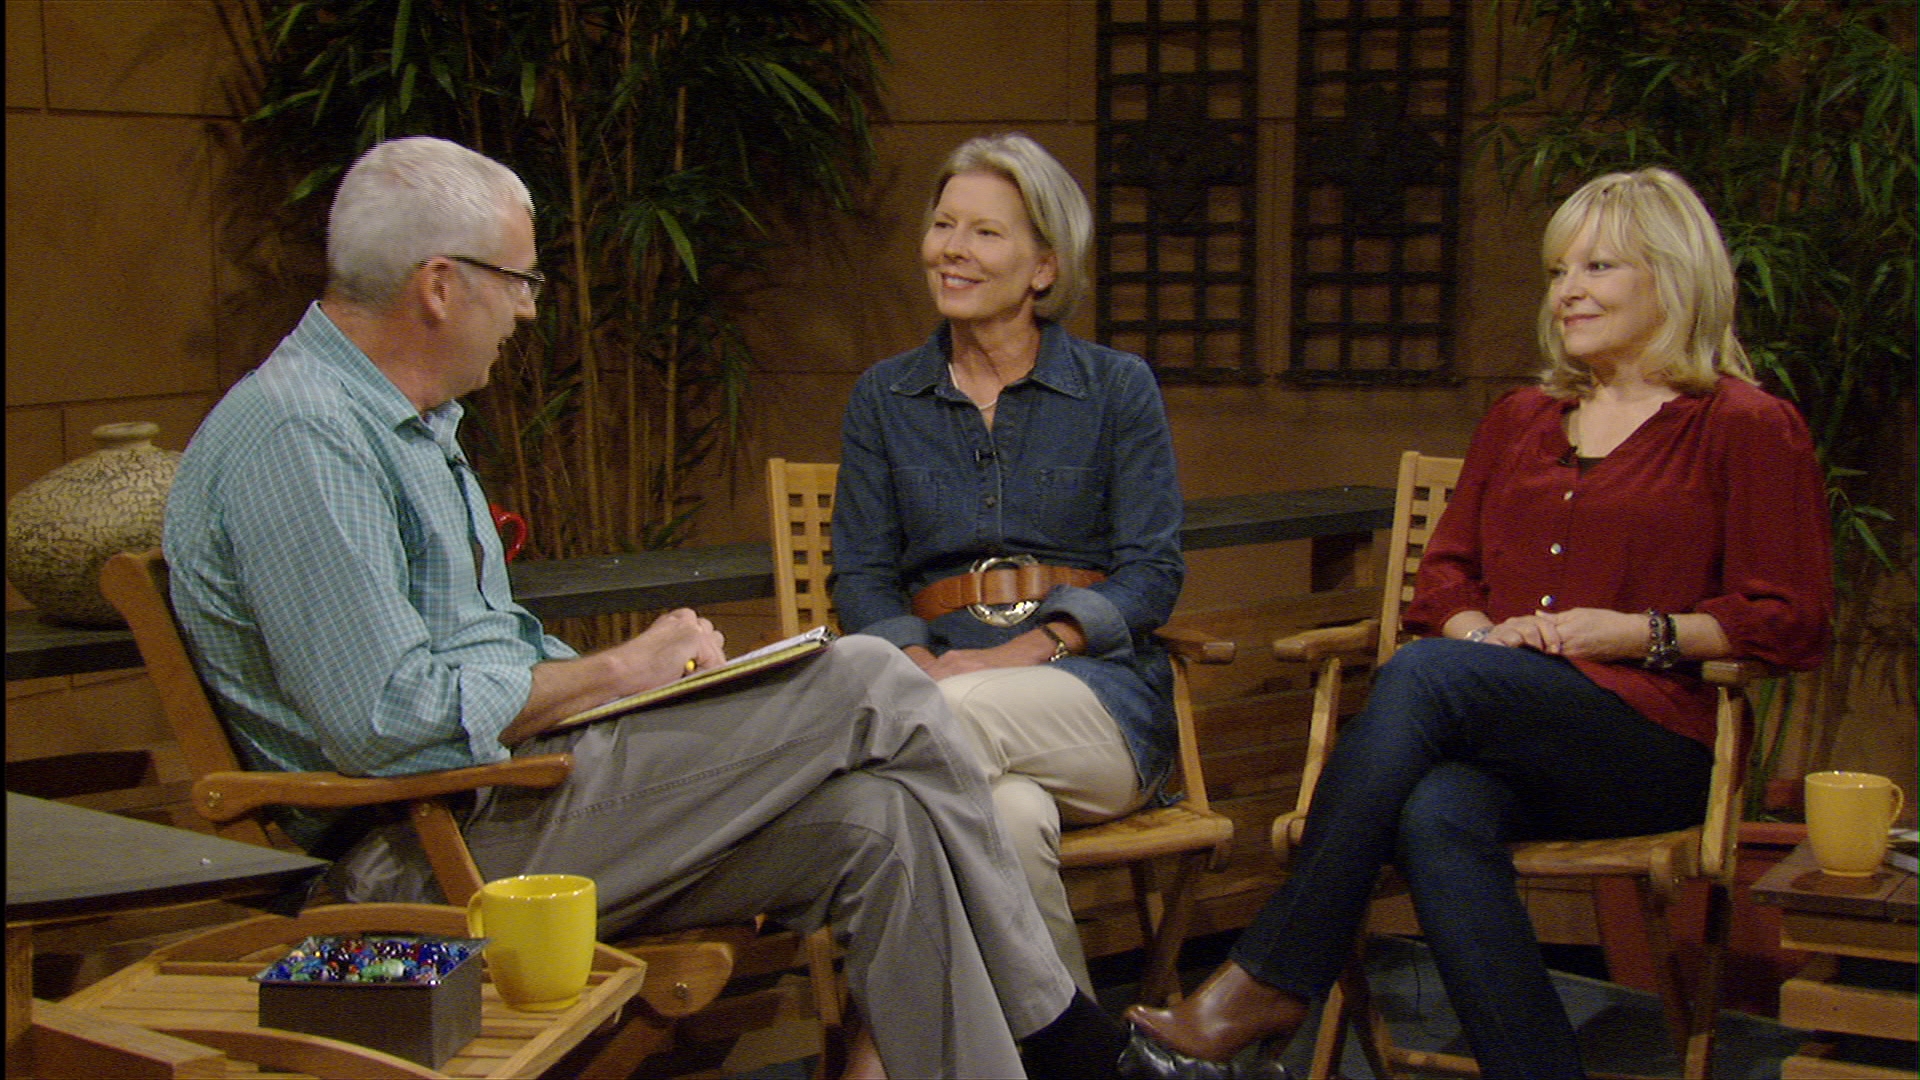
(1737, 672)
(1354, 639)
(1196, 647)
(225, 796)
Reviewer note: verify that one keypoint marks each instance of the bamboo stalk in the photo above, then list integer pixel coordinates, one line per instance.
(632, 496)
(670, 424)
(583, 278)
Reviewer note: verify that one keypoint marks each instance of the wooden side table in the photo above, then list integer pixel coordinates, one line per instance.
(200, 990)
(1844, 921)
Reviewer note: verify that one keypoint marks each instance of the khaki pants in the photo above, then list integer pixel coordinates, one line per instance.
(1052, 755)
(833, 792)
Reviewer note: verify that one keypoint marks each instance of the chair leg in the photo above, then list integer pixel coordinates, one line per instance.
(446, 850)
(1160, 982)
(1376, 1042)
(829, 1002)
(1349, 1003)
(1704, 1015)
(1330, 1036)
(1669, 979)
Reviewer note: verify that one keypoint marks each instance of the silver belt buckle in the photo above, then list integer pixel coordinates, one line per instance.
(1003, 614)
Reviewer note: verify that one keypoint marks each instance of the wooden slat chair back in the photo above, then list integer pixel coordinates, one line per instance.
(1658, 864)
(800, 497)
(800, 502)
(686, 971)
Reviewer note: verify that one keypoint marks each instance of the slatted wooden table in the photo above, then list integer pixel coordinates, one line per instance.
(201, 990)
(1855, 927)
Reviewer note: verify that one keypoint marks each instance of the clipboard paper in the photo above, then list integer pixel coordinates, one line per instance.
(767, 656)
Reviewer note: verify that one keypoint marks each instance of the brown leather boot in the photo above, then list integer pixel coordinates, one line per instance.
(1230, 1011)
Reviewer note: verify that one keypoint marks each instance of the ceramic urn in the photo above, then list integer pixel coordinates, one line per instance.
(63, 526)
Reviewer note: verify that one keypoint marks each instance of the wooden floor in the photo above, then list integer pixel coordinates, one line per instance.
(762, 1028)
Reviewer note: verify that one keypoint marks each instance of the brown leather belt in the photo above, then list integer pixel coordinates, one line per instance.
(1000, 585)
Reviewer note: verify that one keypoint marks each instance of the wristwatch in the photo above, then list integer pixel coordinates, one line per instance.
(1060, 650)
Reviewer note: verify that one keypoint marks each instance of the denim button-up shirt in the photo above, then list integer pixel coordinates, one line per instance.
(1077, 470)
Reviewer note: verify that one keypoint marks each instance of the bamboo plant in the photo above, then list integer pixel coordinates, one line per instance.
(665, 143)
(1795, 121)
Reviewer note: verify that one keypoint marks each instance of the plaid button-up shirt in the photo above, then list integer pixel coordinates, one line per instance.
(337, 575)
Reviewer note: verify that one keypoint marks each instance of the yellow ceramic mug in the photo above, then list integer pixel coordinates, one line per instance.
(1848, 814)
(540, 931)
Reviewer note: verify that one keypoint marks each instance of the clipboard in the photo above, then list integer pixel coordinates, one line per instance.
(779, 653)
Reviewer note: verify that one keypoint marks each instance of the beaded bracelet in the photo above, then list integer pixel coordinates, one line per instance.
(1663, 644)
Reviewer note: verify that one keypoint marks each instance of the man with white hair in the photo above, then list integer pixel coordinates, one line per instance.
(343, 591)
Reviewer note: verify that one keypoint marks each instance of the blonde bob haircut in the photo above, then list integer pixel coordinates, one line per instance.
(1062, 223)
(1651, 218)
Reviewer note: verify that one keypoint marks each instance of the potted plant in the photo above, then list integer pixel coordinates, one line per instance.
(665, 142)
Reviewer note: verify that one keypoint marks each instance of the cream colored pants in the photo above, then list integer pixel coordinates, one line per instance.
(1052, 754)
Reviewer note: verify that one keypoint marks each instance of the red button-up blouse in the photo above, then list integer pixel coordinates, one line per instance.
(1715, 505)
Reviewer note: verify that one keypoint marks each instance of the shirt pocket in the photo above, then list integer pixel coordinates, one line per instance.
(1066, 505)
(928, 499)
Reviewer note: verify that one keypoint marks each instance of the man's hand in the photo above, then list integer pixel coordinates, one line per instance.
(661, 653)
(656, 656)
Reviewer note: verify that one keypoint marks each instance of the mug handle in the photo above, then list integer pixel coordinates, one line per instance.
(476, 926)
(1899, 804)
(513, 528)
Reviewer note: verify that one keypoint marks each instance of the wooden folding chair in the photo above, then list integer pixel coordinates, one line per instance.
(685, 972)
(800, 502)
(1657, 864)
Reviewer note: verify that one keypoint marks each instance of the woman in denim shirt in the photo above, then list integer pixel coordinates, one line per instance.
(1005, 438)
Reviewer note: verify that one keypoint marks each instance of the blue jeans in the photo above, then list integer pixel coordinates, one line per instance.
(1462, 748)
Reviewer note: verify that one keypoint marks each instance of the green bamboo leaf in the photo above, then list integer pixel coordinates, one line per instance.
(442, 75)
(406, 88)
(326, 94)
(681, 244)
(403, 14)
(1870, 540)
(312, 182)
(549, 414)
(529, 86)
(801, 87)
(286, 23)
(275, 108)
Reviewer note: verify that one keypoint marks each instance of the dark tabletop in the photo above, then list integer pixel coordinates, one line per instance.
(701, 576)
(1796, 883)
(65, 860)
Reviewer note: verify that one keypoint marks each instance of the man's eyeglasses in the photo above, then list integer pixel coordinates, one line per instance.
(534, 280)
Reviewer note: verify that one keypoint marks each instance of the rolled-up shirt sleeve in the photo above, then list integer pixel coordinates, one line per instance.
(1777, 566)
(1145, 510)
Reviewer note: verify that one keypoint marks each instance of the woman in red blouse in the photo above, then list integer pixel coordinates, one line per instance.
(1644, 507)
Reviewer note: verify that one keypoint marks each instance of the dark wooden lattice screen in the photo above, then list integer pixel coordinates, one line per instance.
(1377, 190)
(1174, 202)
